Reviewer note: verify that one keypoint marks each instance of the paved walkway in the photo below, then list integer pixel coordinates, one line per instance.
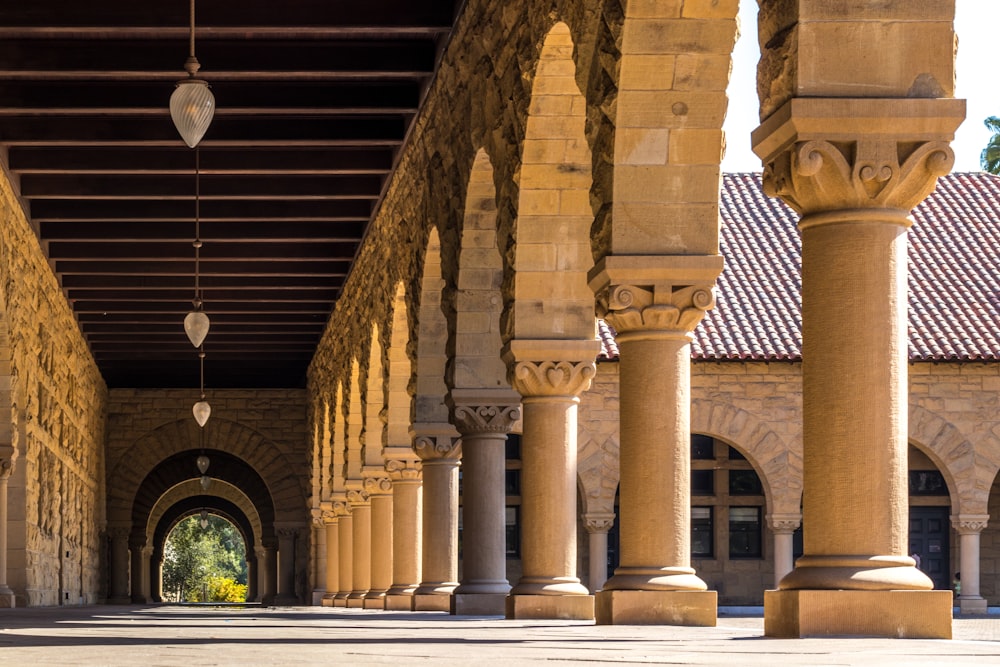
(193, 637)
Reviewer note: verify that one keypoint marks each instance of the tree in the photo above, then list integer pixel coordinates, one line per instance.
(193, 556)
(989, 159)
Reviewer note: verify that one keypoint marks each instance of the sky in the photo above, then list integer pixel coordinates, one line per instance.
(976, 82)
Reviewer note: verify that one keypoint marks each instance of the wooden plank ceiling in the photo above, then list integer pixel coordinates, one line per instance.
(314, 99)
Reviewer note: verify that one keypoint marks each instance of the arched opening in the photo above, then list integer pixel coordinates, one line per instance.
(204, 556)
(931, 543)
(989, 550)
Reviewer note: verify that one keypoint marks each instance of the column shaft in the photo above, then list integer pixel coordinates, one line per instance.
(6, 594)
(969, 557)
(440, 528)
(484, 563)
(346, 543)
(286, 567)
(598, 545)
(784, 562)
(361, 512)
(138, 572)
(381, 550)
(332, 559)
(407, 538)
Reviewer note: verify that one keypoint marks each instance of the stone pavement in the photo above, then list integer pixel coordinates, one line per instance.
(173, 635)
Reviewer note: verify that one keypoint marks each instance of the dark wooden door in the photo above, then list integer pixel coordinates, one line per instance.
(929, 530)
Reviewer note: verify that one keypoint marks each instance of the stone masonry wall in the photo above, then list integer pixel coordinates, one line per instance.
(58, 398)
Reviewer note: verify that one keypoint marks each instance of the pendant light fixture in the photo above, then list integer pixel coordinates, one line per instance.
(196, 323)
(203, 521)
(202, 410)
(192, 104)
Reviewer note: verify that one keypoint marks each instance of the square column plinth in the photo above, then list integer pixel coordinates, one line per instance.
(374, 603)
(562, 607)
(695, 608)
(822, 613)
(965, 605)
(425, 602)
(478, 604)
(398, 602)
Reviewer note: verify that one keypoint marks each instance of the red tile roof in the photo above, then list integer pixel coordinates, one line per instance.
(954, 275)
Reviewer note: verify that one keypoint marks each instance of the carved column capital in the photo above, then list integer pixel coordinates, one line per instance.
(340, 508)
(287, 532)
(823, 155)
(966, 524)
(784, 523)
(119, 532)
(434, 442)
(330, 517)
(316, 515)
(403, 470)
(356, 497)
(552, 378)
(598, 522)
(486, 418)
(378, 486)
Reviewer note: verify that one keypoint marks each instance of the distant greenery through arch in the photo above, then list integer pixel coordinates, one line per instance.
(204, 564)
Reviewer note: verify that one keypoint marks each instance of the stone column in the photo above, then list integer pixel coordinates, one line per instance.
(156, 575)
(380, 492)
(549, 375)
(266, 574)
(253, 595)
(319, 557)
(345, 540)
(332, 528)
(7, 457)
(598, 524)
(483, 418)
(439, 450)
(407, 532)
(119, 565)
(361, 511)
(783, 527)
(853, 169)
(969, 527)
(654, 303)
(140, 569)
(286, 594)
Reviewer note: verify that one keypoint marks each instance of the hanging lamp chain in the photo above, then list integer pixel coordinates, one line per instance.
(192, 65)
(201, 361)
(198, 301)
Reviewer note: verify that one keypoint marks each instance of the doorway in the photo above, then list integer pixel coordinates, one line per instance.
(929, 530)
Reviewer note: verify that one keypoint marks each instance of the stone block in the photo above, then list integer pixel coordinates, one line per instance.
(432, 603)
(478, 604)
(829, 613)
(339, 602)
(374, 603)
(399, 603)
(561, 607)
(972, 606)
(355, 603)
(692, 608)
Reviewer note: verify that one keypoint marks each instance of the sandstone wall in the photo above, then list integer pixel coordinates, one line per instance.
(57, 401)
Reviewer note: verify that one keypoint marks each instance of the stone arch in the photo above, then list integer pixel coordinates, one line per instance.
(373, 435)
(552, 256)
(597, 473)
(398, 398)
(222, 435)
(192, 489)
(478, 303)
(777, 462)
(338, 453)
(431, 345)
(354, 423)
(658, 137)
(967, 473)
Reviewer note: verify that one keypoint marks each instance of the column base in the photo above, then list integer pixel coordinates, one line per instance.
(285, 601)
(965, 605)
(827, 613)
(119, 600)
(422, 602)
(339, 602)
(563, 607)
(376, 602)
(355, 603)
(398, 602)
(8, 600)
(692, 608)
(479, 604)
(317, 598)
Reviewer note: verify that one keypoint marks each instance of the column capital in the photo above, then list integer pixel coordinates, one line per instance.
(316, 515)
(378, 485)
(966, 524)
(340, 507)
(330, 517)
(562, 368)
(357, 497)
(436, 441)
(598, 522)
(655, 296)
(484, 410)
(8, 456)
(784, 523)
(822, 155)
(403, 470)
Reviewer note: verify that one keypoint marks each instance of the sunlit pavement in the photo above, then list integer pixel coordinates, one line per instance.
(173, 635)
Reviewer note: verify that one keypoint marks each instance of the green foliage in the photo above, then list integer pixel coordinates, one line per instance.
(194, 557)
(989, 159)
